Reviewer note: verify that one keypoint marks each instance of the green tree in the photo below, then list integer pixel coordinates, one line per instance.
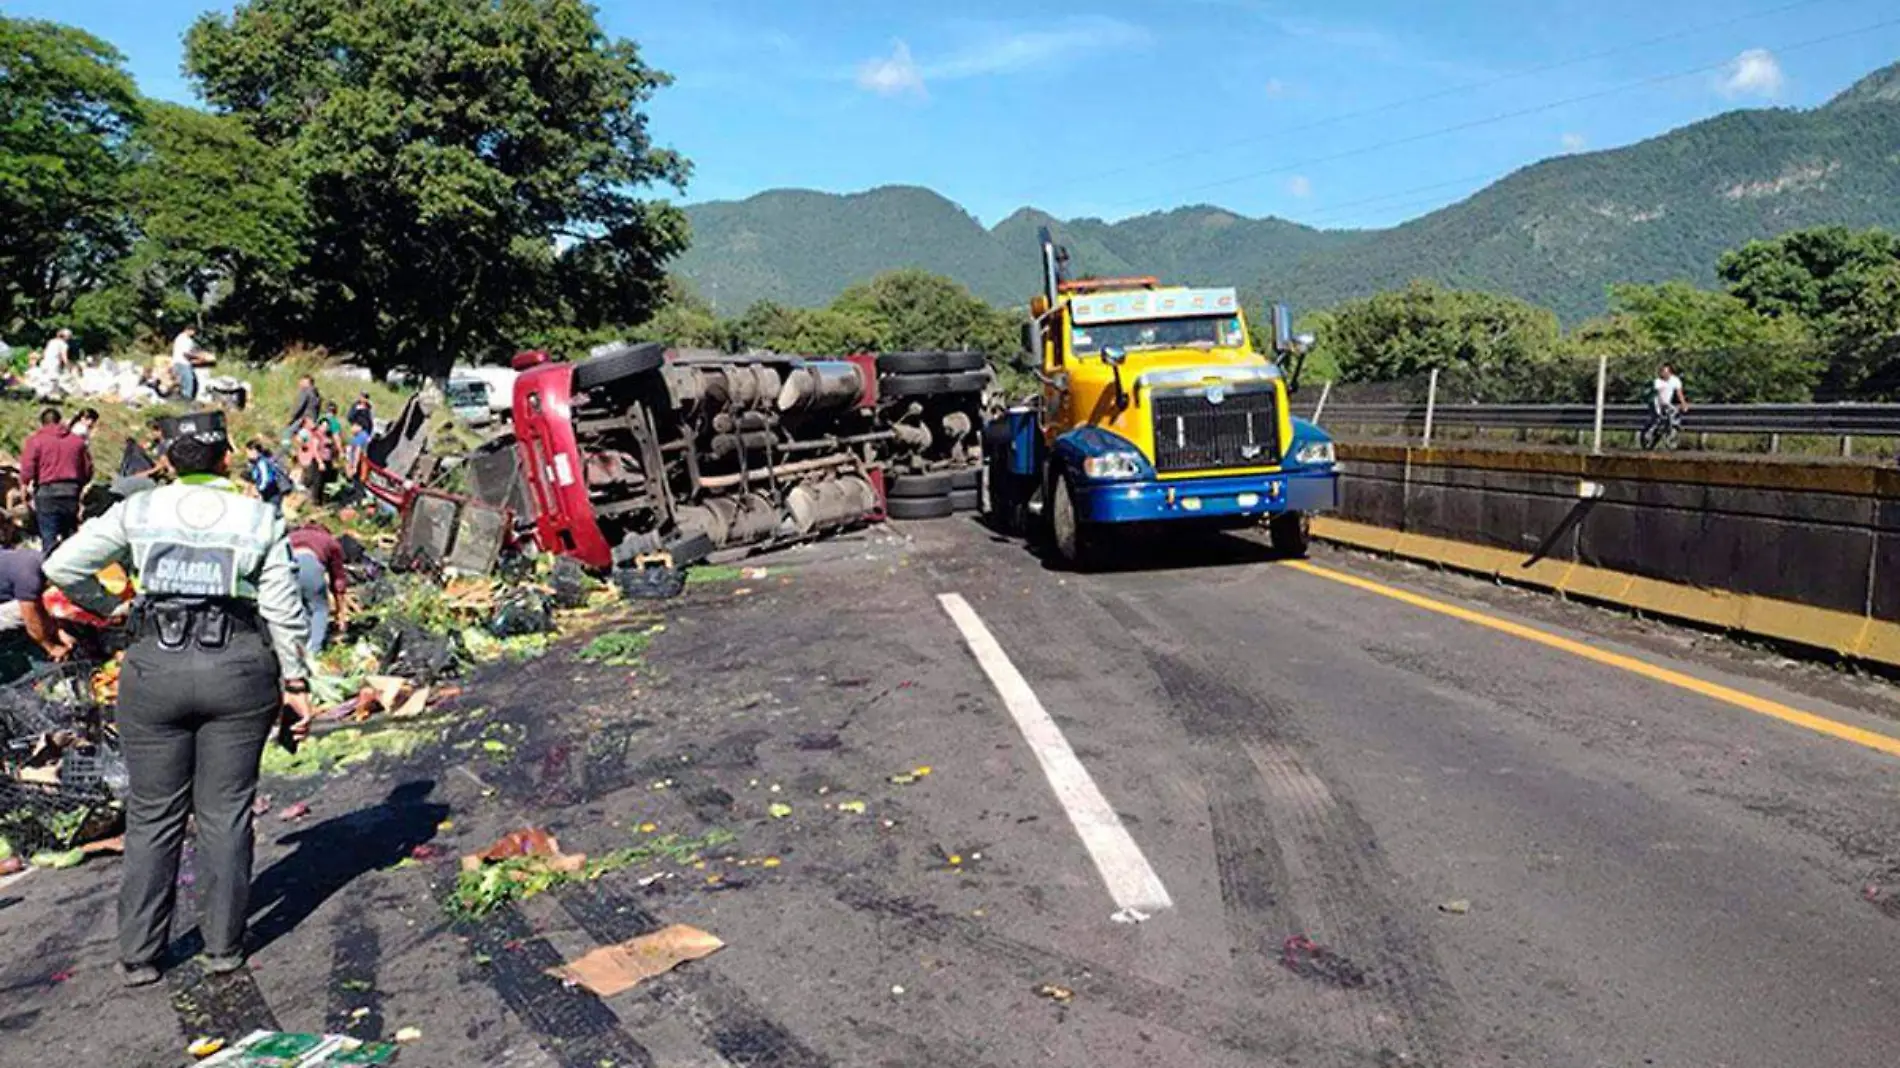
(218, 226)
(1495, 348)
(471, 168)
(927, 311)
(1810, 275)
(1724, 349)
(67, 113)
(1833, 280)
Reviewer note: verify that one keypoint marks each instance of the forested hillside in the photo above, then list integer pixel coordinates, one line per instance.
(1557, 233)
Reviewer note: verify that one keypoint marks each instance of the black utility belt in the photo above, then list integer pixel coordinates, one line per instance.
(178, 623)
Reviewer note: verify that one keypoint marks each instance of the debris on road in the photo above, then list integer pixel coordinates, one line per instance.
(287, 1049)
(1130, 914)
(1309, 960)
(1061, 995)
(528, 862)
(1456, 907)
(911, 776)
(778, 810)
(292, 813)
(610, 970)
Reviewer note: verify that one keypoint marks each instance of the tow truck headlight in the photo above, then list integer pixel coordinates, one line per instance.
(1113, 465)
(1315, 452)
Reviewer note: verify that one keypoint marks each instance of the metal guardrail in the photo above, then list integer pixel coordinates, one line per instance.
(1821, 420)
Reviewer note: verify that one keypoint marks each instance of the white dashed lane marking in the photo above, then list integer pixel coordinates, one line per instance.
(1131, 880)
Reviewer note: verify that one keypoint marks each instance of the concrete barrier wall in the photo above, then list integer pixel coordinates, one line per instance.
(1813, 534)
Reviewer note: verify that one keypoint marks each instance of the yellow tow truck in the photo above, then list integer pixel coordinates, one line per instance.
(1155, 408)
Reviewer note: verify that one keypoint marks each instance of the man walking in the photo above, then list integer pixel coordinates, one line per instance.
(217, 656)
(53, 362)
(309, 404)
(55, 466)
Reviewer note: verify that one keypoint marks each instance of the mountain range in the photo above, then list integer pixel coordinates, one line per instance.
(1558, 232)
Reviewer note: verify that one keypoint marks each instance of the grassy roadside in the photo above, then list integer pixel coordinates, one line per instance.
(273, 390)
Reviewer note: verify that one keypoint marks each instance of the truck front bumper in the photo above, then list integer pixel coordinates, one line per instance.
(1235, 498)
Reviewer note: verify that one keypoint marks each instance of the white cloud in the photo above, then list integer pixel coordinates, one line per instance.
(894, 75)
(1755, 72)
(1000, 50)
(1276, 88)
(1575, 142)
(1300, 186)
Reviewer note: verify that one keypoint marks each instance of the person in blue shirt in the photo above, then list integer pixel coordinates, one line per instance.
(265, 473)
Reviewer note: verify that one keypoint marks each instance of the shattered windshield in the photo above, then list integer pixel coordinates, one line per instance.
(1203, 332)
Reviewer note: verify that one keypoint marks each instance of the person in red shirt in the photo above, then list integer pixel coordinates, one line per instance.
(55, 466)
(322, 581)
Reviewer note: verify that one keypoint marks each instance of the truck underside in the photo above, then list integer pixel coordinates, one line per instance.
(639, 451)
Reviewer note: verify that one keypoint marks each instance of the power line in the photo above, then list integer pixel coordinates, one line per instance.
(1333, 209)
(1503, 117)
(1380, 109)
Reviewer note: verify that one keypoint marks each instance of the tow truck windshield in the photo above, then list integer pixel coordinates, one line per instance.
(1198, 332)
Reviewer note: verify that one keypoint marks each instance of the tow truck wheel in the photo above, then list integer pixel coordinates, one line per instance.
(1290, 532)
(1066, 529)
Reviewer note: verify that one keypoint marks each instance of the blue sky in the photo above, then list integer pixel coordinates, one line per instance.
(1335, 114)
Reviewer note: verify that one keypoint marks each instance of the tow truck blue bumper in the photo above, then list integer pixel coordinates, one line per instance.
(1237, 498)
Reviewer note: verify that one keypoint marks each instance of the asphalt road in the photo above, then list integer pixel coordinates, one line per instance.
(1319, 775)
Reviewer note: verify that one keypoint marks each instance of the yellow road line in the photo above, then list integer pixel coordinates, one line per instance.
(1761, 705)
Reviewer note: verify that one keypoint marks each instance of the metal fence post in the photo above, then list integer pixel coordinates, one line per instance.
(1847, 445)
(1603, 377)
(1431, 407)
(1324, 392)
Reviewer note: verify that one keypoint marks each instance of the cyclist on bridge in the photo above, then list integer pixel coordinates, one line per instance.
(1666, 406)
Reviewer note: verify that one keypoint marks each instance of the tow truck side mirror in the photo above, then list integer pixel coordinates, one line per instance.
(1030, 358)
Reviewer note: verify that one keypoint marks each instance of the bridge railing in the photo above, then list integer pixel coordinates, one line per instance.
(1824, 420)
(1429, 414)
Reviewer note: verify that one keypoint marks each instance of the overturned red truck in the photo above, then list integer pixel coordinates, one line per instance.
(640, 454)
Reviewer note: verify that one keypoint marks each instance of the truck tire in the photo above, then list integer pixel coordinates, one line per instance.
(919, 507)
(936, 363)
(1290, 532)
(968, 478)
(617, 364)
(1071, 537)
(898, 387)
(935, 484)
(966, 500)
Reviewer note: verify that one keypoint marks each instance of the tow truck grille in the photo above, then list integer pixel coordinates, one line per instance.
(1192, 433)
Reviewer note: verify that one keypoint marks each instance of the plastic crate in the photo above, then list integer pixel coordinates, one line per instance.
(82, 802)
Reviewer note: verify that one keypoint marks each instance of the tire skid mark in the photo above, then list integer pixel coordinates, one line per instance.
(1237, 1029)
(226, 1006)
(575, 1028)
(717, 1006)
(356, 954)
(1275, 818)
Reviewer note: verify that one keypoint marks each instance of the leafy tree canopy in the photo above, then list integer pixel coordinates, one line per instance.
(1723, 349)
(1493, 344)
(471, 168)
(67, 111)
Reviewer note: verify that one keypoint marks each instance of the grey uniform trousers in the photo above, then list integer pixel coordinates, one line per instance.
(193, 724)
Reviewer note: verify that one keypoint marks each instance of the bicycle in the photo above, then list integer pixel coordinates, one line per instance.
(1664, 429)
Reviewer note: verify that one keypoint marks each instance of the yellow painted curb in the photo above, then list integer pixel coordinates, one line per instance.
(1859, 637)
